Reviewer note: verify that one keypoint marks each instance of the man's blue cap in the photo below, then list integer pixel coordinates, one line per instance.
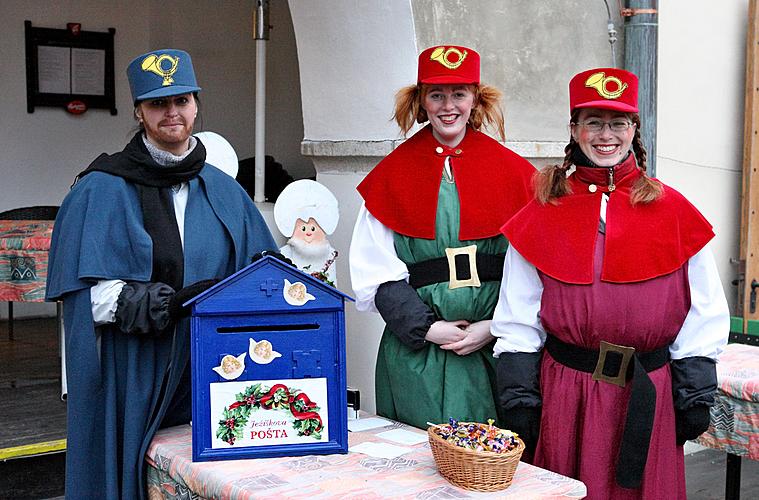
(161, 73)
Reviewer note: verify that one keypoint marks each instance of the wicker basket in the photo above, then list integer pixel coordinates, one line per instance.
(474, 470)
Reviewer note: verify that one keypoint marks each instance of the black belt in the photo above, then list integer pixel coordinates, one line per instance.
(489, 267)
(616, 365)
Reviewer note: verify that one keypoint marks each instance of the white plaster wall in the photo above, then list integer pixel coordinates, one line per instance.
(43, 151)
(700, 92)
(353, 57)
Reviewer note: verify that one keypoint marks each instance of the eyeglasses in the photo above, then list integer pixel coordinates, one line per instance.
(616, 125)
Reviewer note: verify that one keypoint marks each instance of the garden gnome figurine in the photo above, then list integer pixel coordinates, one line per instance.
(305, 213)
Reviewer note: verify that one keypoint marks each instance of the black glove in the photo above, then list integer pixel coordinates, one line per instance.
(406, 315)
(525, 421)
(694, 382)
(142, 308)
(691, 423)
(519, 400)
(274, 254)
(175, 308)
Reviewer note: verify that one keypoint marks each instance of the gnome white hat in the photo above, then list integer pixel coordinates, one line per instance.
(219, 153)
(303, 200)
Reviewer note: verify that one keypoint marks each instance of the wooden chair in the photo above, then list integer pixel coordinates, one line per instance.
(42, 212)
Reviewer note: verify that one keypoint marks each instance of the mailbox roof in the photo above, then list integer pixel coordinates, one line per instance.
(276, 263)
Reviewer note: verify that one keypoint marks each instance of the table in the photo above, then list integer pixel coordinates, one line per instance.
(172, 474)
(734, 426)
(24, 245)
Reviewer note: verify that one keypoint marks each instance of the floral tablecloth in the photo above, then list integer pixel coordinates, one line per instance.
(24, 245)
(735, 416)
(173, 475)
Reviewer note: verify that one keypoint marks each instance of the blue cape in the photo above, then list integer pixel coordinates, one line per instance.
(119, 385)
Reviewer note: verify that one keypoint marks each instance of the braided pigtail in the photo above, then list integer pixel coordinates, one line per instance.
(645, 190)
(551, 182)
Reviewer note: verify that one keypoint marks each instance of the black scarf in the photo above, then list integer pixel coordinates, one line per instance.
(154, 182)
(581, 159)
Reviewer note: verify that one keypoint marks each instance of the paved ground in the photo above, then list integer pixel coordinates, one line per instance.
(705, 476)
(32, 478)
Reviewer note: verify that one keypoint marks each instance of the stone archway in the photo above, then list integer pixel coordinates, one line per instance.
(352, 58)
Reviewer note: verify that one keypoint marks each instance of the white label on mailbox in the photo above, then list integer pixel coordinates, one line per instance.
(296, 294)
(261, 352)
(269, 412)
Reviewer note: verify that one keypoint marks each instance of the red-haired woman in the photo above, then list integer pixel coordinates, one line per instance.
(427, 252)
(613, 313)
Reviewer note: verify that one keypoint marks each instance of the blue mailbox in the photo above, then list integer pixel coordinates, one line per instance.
(268, 366)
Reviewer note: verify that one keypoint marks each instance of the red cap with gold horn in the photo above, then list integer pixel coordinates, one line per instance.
(449, 64)
(605, 88)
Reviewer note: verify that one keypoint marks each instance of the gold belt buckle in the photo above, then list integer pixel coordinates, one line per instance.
(474, 278)
(627, 354)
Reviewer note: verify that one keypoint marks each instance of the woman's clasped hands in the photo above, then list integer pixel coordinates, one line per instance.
(460, 336)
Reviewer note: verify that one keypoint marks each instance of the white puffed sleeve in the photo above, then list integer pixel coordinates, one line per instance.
(372, 259)
(516, 320)
(105, 294)
(103, 298)
(707, 325)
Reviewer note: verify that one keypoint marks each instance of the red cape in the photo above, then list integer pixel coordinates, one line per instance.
(643, 241)
(493, 183)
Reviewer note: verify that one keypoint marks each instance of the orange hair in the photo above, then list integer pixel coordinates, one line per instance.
(486, 111)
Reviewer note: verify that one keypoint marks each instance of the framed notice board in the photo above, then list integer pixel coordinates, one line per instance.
(69, 68)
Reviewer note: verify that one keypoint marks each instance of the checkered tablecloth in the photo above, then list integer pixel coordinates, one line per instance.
(24, 246)
(735, 416)
(173, 475)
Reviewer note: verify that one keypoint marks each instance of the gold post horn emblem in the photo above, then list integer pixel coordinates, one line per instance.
(442, 55)
(599, 81)
(154, 64)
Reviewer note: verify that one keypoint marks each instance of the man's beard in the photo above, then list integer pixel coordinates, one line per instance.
(310, 250)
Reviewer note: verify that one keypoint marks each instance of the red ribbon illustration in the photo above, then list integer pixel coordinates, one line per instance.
(266, 401)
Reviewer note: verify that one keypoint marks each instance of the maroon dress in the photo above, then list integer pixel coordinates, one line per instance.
(627, 285)
(583, 419)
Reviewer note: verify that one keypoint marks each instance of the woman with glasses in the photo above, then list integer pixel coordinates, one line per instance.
(613, 313)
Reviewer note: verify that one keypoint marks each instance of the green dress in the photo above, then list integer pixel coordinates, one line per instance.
(432, 384)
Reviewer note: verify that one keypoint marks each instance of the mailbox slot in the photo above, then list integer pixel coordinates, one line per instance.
(265, 328)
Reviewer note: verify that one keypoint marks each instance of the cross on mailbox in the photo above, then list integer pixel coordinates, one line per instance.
(269, 286)
(306, 364)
